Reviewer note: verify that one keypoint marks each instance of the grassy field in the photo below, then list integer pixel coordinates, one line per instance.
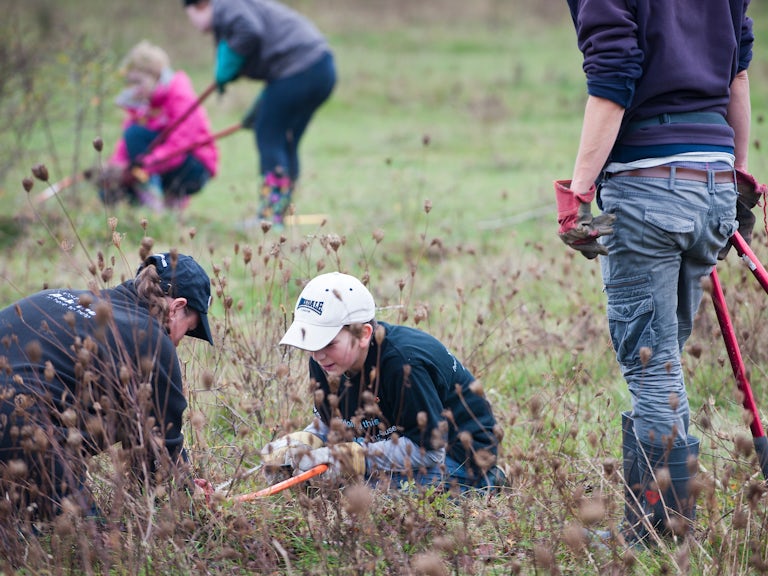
(432, 166)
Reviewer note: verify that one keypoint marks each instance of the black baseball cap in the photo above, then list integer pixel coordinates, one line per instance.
(182, 277)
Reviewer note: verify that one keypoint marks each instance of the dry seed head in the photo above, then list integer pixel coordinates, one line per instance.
(663, 478)
(49, 372)
(746, 416)
(477, 388)
(69, 418)
(674, 401)
(645, 355)
(378, 235)
(427, 206)
(740, 518)
(575, 537)
(743, 445)
(591, 511)
(34, 351)
(197, 420)
(466, 440)
(420, 313)
(484, 459)
(27, 183)
(695, 350)
(534, 405)
(147, 243)
(544, 557)
(357, 499)
(428, 564)
(334, 241)
(421, 420)
(192, 233)
(98, 144)
(95, 426)
(74, 439)
(17, 468)
(40, 172)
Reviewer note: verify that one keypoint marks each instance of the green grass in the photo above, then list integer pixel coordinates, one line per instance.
(476, 115)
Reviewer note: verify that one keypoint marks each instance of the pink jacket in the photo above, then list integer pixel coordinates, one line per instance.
(169, 101)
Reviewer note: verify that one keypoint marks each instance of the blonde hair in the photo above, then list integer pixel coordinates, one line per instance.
(146, 57)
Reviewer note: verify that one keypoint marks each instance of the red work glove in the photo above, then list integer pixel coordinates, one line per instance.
(206, 487)
(578, 229)
(750, 192)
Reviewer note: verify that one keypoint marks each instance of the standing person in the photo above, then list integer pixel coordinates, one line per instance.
(84, 369)
(264, 40)
(391, 402)
(665, 136)
(149, 165)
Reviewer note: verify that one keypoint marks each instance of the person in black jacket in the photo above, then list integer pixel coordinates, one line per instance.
(85, 369)
(391, 402)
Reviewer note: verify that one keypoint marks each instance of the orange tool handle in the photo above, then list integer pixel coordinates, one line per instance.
(280, 486)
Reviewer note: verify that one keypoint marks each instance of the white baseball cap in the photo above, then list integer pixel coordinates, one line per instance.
(327, 304)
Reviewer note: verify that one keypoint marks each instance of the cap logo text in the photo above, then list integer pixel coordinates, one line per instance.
(315, 306)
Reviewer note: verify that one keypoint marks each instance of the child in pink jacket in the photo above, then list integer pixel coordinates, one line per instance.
(165, 172)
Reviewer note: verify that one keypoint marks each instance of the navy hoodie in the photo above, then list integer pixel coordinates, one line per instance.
(412, 372)
(655, 57)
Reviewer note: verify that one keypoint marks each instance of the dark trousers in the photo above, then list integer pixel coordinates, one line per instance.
(282, 112)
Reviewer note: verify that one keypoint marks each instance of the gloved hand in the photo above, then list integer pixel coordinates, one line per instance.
(206, 487)
(228, 65)
(578, 229)
(750, 192)
(249, 120)
(345, 460)
(280, 457)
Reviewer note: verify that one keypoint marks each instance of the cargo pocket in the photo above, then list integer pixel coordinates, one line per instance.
(673, 225)
(630, 311)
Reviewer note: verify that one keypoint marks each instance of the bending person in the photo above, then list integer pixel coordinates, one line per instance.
(266, 41)
(85, 369)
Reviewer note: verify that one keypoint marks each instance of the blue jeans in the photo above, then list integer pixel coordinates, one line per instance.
(470, 479)
(454, 473)
(666, 238)
(186, 179)
(283, 111)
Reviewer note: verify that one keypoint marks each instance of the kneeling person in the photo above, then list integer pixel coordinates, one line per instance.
(391, 402)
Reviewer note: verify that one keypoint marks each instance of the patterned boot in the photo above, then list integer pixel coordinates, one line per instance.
(276, 192)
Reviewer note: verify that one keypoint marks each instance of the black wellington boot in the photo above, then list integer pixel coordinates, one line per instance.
(633, 481)
(667, 476)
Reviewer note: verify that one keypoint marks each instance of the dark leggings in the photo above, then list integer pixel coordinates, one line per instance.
(283, 111)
